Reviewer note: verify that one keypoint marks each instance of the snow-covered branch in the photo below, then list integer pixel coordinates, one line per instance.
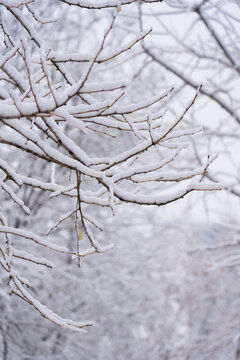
(52, 115)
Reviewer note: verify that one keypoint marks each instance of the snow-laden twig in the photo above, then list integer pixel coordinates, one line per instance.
(53, 114)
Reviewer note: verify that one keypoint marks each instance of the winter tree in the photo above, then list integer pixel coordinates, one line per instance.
(192, 42)
(204, 48)
(77, 139)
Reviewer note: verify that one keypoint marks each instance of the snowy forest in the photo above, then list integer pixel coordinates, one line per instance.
(119, 180)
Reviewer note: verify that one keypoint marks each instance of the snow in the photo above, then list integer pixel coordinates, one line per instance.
(10, 172)
(22, 254)
(164, 199)
(14, 197)
(33, 237)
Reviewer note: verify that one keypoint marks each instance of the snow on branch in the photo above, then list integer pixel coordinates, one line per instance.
(48, 113)
(92, 4)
